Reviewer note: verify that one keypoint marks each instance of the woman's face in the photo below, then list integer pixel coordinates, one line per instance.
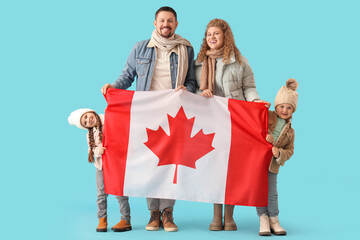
(215, 38)
(88, 120)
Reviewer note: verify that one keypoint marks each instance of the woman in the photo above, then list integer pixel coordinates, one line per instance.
(222, 71)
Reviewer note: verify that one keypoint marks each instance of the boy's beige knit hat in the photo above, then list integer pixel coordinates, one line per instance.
(287, 94)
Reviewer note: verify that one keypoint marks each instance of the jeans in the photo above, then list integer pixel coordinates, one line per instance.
(160, 204)
(272, 209)
(102, 199)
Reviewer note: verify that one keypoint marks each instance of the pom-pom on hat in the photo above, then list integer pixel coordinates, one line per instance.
(287, 94)
(75, 116)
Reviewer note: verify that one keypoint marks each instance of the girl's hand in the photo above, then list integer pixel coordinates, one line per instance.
(101, 150)
(182, 87)
(276, 152)
(267, 104)
(270, 138)
(206, 93)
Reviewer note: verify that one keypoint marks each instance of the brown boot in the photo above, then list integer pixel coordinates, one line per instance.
(168, 220)
(229, 223)
(216, 223)
(154, 222)
(122, 226)
(102, 227)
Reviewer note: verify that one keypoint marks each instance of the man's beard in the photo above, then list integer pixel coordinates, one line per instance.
(166, 36)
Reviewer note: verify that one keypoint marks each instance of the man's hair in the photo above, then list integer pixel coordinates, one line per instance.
(165, 9)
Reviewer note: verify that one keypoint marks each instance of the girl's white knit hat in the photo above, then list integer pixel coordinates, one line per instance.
(75, 116)
(287, 94)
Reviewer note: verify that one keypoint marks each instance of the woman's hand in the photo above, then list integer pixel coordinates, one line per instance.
(276, 152)
(105, 88)
(206, 93)
(182, 87)
(101, 150)
(267, 104)
(270, 138)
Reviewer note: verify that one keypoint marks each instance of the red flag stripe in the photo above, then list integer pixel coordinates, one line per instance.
(247, 181)
(116, 139)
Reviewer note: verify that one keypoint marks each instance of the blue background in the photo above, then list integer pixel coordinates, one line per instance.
(56, 55)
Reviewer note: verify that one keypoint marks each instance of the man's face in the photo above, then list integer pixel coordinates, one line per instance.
(165, 24)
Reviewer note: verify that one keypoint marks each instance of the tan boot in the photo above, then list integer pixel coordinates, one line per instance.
(122, 226)
(168, 220)
(102, 227)
(154, 222)
(275, 227)
(229, 223)
(264, 225)
(216, 223)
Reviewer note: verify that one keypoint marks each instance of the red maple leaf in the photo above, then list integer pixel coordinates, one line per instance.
(179, 148)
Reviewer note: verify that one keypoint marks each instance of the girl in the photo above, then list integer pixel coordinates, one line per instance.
(281, 135)
(88, 119)
(221, 70)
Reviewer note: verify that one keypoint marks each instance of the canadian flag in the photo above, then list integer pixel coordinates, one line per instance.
(178, 145)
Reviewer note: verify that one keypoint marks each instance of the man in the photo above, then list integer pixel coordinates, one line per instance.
(166, 61)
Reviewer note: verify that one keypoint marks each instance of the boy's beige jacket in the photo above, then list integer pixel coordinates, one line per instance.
(285, 142)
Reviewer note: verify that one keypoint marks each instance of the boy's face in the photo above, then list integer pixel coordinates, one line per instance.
(284, 110)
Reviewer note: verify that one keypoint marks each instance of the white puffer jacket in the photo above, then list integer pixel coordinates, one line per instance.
(237, 79)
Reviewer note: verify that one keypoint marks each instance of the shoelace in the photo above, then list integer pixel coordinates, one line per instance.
(155, 216)
(167, 215)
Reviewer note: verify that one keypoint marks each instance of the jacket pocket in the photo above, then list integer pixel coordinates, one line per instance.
(142, 66)
(237, 94)
(288, 136)
(286, 139)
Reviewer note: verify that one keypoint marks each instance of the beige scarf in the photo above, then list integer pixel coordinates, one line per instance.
(178, 42)
(207, 77)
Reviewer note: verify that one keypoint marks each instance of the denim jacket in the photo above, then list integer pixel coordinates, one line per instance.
(141, 62)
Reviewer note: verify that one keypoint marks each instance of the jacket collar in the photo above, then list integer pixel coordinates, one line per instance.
(150, 44)
(287, 122)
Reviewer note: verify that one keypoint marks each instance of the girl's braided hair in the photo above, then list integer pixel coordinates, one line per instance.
(91, 137)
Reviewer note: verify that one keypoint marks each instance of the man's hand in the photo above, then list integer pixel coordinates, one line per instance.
(182, 87)
(105, 88)
(267, 104)
(276, 152)
(206, 93)
(270, 138)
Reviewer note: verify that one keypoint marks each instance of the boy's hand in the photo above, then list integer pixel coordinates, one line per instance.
(270, 138)
(276, 152)
(101, 150)
(206, 93)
